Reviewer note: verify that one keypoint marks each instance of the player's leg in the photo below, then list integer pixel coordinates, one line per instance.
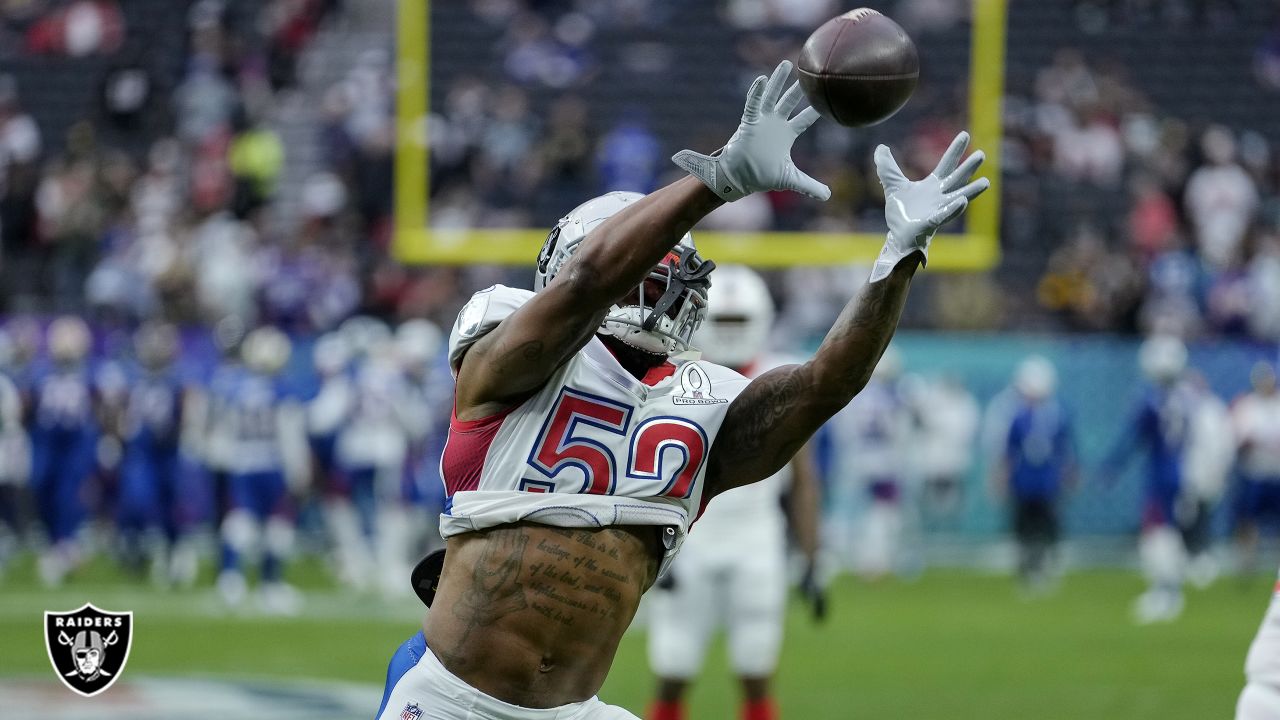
(757, 608)
(239, 535)
(1023, 537)
(683, 611)
(1245, 523)
(135, 509)
(1163, 560)
(882, 529)
(1258, 702)
(276, 513)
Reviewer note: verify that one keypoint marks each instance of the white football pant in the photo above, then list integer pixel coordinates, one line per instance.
(742, 585)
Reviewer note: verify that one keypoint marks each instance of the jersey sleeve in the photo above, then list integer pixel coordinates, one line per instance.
(481, 315)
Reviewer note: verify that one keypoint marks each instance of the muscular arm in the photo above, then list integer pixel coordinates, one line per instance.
(519, 355)
(779, 411)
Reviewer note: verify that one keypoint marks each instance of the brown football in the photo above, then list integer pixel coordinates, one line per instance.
(859, 69)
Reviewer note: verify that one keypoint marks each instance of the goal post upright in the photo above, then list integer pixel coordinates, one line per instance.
(415, 242)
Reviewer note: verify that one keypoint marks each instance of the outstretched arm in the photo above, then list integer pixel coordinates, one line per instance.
(518, 356)
(779, 411)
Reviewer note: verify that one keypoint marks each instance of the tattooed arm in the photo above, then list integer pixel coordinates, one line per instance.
(518, 356)
(780, 410)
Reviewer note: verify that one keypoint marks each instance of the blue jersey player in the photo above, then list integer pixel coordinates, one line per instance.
(64, 435)
(1038, 461)
(1162, 425)
(149, 512)
(267, 452)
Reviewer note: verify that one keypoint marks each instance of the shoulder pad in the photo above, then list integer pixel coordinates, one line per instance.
(479, 316)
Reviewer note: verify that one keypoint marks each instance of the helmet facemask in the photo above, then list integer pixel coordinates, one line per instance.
(662, 313)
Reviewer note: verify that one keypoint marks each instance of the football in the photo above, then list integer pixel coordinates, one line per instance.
(859, 68)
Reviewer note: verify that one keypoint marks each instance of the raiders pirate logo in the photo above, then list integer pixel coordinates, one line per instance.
(88, 647)
(695, 387)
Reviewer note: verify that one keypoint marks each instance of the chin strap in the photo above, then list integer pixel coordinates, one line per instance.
(687, 271)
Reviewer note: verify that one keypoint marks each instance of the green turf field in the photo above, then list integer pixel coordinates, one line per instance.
(953, 645)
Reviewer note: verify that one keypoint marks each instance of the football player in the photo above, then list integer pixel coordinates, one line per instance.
(873, 468)
(64, 436)
(585, 438)
(1256, 418)
(268, 458)
(15, 458)
(1038, 462)
(150, 496)
(733, 565)
(1260, 699)
(1162, 424)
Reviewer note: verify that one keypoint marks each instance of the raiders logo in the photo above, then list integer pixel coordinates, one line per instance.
(88, 647)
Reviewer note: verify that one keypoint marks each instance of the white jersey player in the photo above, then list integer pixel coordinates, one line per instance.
(874, 440)
(1260, 699)
(733, 566)
(1256, 419)
(584, 441)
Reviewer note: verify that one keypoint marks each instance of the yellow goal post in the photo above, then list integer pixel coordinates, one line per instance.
(417, 243)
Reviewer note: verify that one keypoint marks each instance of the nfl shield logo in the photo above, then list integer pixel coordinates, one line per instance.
(88, 647)
(411, 712)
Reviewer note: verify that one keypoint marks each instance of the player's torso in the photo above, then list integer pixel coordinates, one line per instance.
(598, 447)
(1259, 425)
(153, 412)
(64, 401)
(251, 408)
(373, 435)
(1038, 432)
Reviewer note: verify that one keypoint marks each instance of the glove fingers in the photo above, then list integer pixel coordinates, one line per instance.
(793, 179)
(755, 97)
(964, 172)
(803, 120)
(948, 212)
(790, 99)
(951, 158)
(973, 189)
(777, 82)
(891, 176)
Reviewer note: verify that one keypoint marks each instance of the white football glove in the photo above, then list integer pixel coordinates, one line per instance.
(915, 210)
(758, 156)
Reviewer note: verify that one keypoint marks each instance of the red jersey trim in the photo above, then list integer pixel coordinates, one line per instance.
(462, 462)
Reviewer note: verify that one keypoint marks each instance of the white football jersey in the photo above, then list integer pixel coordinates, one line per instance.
(1257, 423)
(1263, 662)
(594, 447)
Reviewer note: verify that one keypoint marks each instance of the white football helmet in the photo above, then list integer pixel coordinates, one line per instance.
(417, 342)
(156, 343)
(266, 350)
(69, 339)
(740, 314)
(662, 313)
(331, 354)
(1036, 378)
(1162, 358)
(364, 333)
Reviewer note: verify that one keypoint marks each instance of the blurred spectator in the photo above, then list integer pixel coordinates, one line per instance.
(629, 157)
(1221, 200)
(20, 146)
(255, 159)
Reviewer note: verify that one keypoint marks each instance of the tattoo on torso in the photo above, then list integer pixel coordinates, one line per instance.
(573, 578)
